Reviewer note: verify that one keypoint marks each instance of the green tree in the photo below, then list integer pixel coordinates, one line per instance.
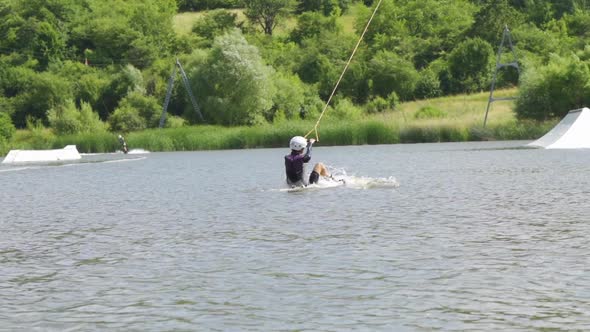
(43, 92)
(470, 65)
(325, 7)
(68, 119)
(276, 52)
(233, 85)
(65, 119)
(90, 120)
(421, 30)
(322, 59)
(312, 24)
(7, 129)
(390, 73)
(578, 27)
(354, 83)
(268, 13)
(123, 81)
(533, 43)
(37, 29)
(344, 109)
(428, 85)
(134, 31)
(148, 107)
(198, 5)
(215, 23)
(550, 91)
(289, 97)
(88, 83)
(491, 19)
(125, 119)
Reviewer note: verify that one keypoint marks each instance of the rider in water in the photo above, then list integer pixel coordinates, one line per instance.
(294, 163)
(123, 144)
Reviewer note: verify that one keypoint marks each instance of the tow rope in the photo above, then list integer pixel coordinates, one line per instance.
(315, 127)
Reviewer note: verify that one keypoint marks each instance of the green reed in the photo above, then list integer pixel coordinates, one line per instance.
(369, 131)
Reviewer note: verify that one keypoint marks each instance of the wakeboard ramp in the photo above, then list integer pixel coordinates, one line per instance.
(572, 132)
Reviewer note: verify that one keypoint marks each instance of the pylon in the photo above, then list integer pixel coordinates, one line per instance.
(505, 36)
(187, 86)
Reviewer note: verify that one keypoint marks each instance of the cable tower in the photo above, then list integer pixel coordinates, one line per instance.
(506, 36)
(187, 86)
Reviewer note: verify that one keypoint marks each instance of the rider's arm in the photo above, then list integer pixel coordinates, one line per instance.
(307, 155)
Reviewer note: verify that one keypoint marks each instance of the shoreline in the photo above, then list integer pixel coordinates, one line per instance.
(209, 137)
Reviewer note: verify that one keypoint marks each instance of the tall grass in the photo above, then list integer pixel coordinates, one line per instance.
(462, 122)
(370, 131)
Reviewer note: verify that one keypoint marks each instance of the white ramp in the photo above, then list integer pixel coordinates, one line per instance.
(572, 132)
(24, 156)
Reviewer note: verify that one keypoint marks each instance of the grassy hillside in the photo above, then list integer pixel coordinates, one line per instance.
(467, 110)
(184, 22)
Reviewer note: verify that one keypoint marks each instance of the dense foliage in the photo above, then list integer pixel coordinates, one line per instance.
(94, 65)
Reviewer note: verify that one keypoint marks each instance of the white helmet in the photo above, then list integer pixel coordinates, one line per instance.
(298, 143)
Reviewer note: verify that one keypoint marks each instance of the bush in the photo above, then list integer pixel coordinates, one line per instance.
(428, 85)
(429, 112)
(198, 5)
(173, 121)
(289, 96)
(393, 100)
(90, 120)
(42, 92)
(311, 24)
(147, 106)
(215, 23)
(122, 83)
(67, 119)
(326, 7)
(7, 129)
(126, 119)
(4, 147)
(377, 105)
(470, 66)
(554, 89)
(536, 44)
(344, 109)
(390, 73)
(312, 104)
(40, 137)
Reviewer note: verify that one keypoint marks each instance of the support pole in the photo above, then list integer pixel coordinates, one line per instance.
(499, 65)
(167, 99)
(187, 86)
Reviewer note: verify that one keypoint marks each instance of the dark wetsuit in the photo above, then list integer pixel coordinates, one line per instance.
(123, 144)
(294, 167)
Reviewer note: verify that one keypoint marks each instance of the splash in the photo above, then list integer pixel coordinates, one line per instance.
(138, 151)
(360, 182)
(339, 178)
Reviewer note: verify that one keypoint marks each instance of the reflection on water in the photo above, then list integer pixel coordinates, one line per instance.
(473, 236)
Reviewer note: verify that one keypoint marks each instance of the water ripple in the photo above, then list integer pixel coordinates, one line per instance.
(472, 239)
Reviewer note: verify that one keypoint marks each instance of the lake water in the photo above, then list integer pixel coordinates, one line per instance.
(448, 236)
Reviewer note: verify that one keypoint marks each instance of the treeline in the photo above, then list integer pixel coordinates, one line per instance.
(96, 65)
